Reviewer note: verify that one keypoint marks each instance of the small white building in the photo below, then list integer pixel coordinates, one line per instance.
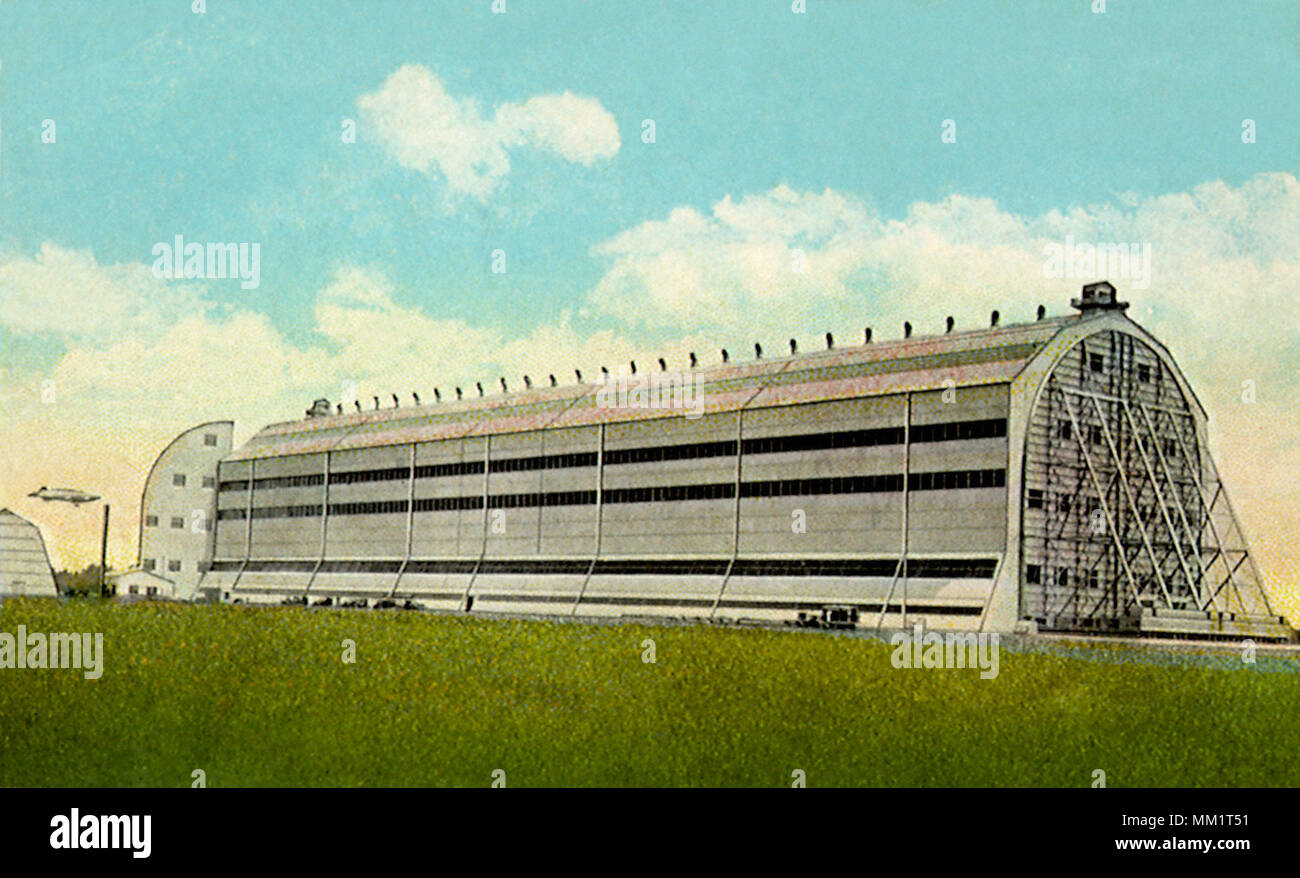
(24, 564)
(142, 583)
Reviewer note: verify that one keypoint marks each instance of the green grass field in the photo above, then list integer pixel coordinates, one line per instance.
(261, 697)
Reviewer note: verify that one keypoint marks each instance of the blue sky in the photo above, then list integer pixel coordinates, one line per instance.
(226, 125)
(776, 134)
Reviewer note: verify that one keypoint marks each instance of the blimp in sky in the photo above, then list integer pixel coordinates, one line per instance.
(68, 495)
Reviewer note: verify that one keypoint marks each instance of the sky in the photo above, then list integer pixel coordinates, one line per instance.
(643, 178)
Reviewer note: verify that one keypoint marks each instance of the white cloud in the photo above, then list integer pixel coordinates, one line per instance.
(1220, 256)
(67, 293)
(426, 129)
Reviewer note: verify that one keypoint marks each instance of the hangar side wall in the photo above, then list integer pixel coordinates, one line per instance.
(759, 513)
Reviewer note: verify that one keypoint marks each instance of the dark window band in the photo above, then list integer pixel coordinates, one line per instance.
(815, 567)
(373, 507)
(822, 441)
(917, 568)
(953, 431)
(360, 566)
(671, 493)
(886, 483)
(956, 431)
(389, 474)
(547, 461)
(441, 470)
(879, 484)
(308, 511)
(957, 479)
(658, 453)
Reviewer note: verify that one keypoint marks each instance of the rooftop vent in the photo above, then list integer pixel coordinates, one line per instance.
(504, 389)
(437, 395)
(577, 373)
(694, 359)
(528, 383)
(950, 323)
(758, 351)
(396, 403)
(830, 342)
(663, 366)
(907, 329)
(319, 408)
(479, 385)
(416, 396)
(794, 347)
(459, 393)
(866, 336)
(1100, 296)
(725, 356)
(1042, 311)
(553, 381)
(994, 318)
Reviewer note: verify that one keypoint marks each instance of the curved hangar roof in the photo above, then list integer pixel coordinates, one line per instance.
(971, 358)
(24, 563)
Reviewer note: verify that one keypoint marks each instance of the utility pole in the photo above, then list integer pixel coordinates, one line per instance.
(103, 556)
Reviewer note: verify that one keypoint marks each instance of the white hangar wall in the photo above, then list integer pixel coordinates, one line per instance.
(178, 508)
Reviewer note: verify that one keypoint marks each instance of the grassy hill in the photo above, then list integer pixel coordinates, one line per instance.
(262, 697)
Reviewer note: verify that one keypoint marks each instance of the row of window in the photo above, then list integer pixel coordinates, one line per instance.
(546, 461)
(1096, 363)
(302, 481)
(179, 480)
(1036, 499)
(923, 568)
(689, 451)
(369, 475)
(1034, 576)
(991, 428)
(892, 482)
(308, 511)
(954, 431)
(1094, 435)
(957, 479)
(150, 564)
(177, 522)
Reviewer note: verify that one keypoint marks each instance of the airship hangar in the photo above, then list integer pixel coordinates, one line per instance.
(1047, 476)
